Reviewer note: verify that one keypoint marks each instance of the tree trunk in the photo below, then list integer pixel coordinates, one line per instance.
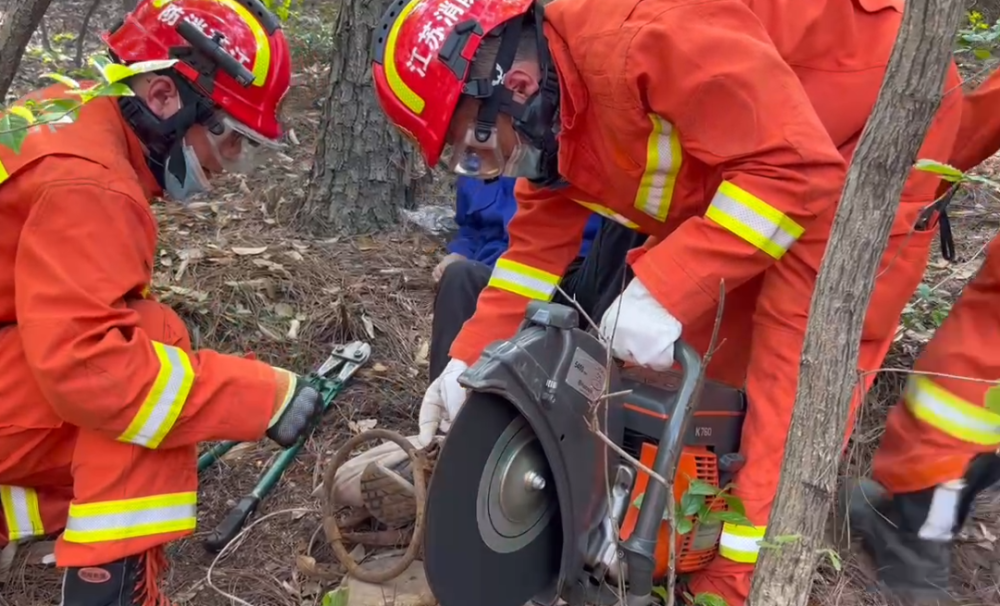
(361, 171)
(128, 5)
(908, 100)
(19, 21)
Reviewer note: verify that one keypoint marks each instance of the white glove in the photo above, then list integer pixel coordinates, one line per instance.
(441, 402)
(645, 332)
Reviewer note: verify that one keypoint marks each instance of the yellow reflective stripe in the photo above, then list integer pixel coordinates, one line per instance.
(262, 58)
(165, 400)
(604, 211)
(663, 163)
(21, 512)
(754, 220)
(130, 518)
(951, 414)
(404, 93)
(523, 280)
(3, 173)
(741, 543)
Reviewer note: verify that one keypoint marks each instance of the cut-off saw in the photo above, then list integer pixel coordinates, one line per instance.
(528, 503)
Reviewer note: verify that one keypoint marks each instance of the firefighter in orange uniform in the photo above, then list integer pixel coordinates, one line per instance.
(940, 448)
(722, 128)
(102, 399)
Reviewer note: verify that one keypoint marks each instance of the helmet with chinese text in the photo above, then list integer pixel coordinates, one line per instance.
(422, 53)
(232, 52)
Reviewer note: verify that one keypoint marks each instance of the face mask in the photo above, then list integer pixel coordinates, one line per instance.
(192, 180)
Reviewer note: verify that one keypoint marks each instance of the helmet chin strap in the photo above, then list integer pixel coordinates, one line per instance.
(164, 138)
(537, 119)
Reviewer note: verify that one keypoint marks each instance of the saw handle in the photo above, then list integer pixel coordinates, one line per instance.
(640, 547)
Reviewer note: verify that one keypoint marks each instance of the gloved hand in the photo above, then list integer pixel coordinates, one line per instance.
(299, 405)
(441, 402)
(445, 262)
(644, 332)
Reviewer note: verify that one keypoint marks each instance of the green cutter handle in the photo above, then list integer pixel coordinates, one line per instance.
(236, 519)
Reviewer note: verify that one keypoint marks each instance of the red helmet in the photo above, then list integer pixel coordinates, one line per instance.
(232, 51)
(422, 53)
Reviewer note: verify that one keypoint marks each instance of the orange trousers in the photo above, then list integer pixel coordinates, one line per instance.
(761, 339)
(111, 499)
(950, 412)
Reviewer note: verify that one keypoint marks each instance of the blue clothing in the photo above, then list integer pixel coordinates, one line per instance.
(482, 211)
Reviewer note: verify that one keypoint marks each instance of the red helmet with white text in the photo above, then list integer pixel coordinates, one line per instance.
(423, 50)
(232, 52)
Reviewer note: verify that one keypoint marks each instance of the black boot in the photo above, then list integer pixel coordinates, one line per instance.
(913, 560)
(131, 581)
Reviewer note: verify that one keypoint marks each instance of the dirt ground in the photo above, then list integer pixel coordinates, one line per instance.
(246, 281)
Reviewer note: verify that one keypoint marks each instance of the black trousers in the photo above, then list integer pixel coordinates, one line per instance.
(594, 281)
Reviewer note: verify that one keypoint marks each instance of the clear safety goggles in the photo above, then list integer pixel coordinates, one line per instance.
(236, 147)
(471, 157)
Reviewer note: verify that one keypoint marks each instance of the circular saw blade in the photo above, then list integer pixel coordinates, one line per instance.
(493, 534)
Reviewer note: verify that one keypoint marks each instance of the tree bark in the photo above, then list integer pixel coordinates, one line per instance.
(908, 100)
(361, 171)
(19, 21)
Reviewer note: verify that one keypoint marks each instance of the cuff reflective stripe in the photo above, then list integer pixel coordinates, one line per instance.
(663, 163)
(163, 404)
(3, 173)
(21, 512)
(950, 414)
(130, 518)
(604, 211)
(754, 220)
(523, 280)
(741, 543)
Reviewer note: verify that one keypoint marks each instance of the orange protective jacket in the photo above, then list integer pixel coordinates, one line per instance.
(979, 136)
(691, 118)
(78, 239)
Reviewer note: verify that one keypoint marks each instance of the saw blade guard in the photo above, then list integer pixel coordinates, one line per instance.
(555, 375)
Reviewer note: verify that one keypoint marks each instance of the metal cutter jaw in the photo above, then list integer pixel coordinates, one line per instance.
(493, 533)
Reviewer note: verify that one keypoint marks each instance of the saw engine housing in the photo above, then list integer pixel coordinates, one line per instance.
(552, 372)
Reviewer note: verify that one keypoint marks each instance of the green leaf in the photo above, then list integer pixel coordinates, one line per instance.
(13, 130)
(684, 525)
(691, 504)
(69, 82)
(661, 593)
(834, 558)
(637, 503)
(946, 171)
(337, 597)
(699, 487)
(729, 517)
(734, 503)
(709, 599)
(982, 53)
(116, 89)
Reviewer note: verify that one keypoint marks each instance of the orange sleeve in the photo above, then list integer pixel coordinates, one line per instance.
(979, 136)
(84, 246)
(544, 237)
(711, 70)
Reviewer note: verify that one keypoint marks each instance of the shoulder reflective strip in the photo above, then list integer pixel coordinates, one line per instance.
(523, 280)
(165, 400)
(404, 93)
(130, 518)
(663, 163)
(262, 58)
(950, 414)
(3, 173)
(604, 211)
(754, 220)
(741, 543)
(20, 510)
